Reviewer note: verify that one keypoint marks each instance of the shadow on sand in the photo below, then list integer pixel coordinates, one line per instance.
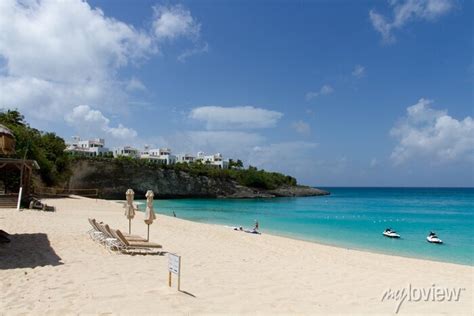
(27, 251)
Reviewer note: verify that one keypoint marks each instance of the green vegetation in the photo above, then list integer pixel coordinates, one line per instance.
(46, 148)
(251, 177)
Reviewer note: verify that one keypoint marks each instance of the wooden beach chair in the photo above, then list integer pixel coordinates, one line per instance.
(131, 247)
(109, 241)
(102, 236)
(94, 232)
(128, 237)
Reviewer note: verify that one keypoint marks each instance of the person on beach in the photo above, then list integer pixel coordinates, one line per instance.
(255, 228)
(174, 214)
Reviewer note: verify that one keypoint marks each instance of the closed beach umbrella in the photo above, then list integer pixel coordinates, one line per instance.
(149, 212)
(129, 208)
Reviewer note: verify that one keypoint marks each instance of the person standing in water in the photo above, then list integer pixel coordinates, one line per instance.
(256, 226)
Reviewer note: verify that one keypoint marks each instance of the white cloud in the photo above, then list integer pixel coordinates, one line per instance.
(293, 157)
(301, 127)
(55, 55)
(239, 117)
(176, 21)
(325, 90)
(65, 41)
(135, 84)
(92, 122)
(374, 163)
(432, 134)
(230, 142)
(381, 25)
(45, 100)
(408, 11)
(61, 54)
(173, 22)
(193, 51)
(359, 71)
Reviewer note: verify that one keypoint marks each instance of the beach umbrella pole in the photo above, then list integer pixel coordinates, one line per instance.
(148, 233)
(129, 226)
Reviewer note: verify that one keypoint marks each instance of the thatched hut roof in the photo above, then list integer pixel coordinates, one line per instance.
(5, 131)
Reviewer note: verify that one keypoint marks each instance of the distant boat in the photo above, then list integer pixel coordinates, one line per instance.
(390, 233)
(432, 238)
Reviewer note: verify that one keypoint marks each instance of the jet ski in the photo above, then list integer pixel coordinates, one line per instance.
(432, 238)
(390, 233)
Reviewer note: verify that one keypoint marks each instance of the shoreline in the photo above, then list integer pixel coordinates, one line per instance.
(321, 243)
(225, 271)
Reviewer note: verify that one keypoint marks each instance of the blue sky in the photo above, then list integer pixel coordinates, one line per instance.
(343, 93)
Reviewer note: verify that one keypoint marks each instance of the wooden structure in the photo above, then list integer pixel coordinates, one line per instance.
(7, 141)
(14, 173)
(14, 169)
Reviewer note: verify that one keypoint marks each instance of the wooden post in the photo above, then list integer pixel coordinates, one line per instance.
(174, 266)
(179, 275)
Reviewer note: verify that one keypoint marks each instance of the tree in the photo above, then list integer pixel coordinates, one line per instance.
(12, 117)
(235, 164)
(46, 148)
(239, 163)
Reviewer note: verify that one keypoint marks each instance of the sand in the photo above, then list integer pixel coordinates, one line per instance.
(53, 267)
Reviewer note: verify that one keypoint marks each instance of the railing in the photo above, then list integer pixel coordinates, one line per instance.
(58, 192)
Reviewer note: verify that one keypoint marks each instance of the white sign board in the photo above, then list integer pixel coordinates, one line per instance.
(174, 263)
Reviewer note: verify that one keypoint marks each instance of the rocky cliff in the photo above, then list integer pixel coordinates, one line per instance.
(113, 179)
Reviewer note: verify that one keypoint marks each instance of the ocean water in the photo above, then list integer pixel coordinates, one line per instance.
(354, 218)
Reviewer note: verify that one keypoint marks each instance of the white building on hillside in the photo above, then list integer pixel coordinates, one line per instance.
(213, 160)
(126, 151)
(160, 155)
(90, 148)
(185, 158)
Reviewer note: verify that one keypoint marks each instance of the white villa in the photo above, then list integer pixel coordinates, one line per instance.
(213, 160)
(96, 147)
(185, 158)
(90, 148)
(164, 156)
(161, 155)
(126, 151)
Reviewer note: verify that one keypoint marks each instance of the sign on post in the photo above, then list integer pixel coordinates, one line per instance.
(174, 267)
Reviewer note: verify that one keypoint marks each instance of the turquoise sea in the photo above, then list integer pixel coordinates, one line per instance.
(354, 218)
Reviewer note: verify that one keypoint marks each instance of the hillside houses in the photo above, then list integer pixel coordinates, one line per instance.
(96, 148)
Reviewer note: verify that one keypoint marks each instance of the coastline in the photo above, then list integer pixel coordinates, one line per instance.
(226, 271)
(352, 218)
(301, 238)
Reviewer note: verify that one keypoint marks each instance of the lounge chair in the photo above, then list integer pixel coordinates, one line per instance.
(103, 236)
(134, 246)
(109, 241)
(94, 233)
(100, 234)
(132, 238)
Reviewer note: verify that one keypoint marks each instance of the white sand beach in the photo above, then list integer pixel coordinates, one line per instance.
(53, 267)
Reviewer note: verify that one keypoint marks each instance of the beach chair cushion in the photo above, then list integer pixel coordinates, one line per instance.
(139, 244)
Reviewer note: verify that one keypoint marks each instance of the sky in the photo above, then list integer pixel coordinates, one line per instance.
(335, 93)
